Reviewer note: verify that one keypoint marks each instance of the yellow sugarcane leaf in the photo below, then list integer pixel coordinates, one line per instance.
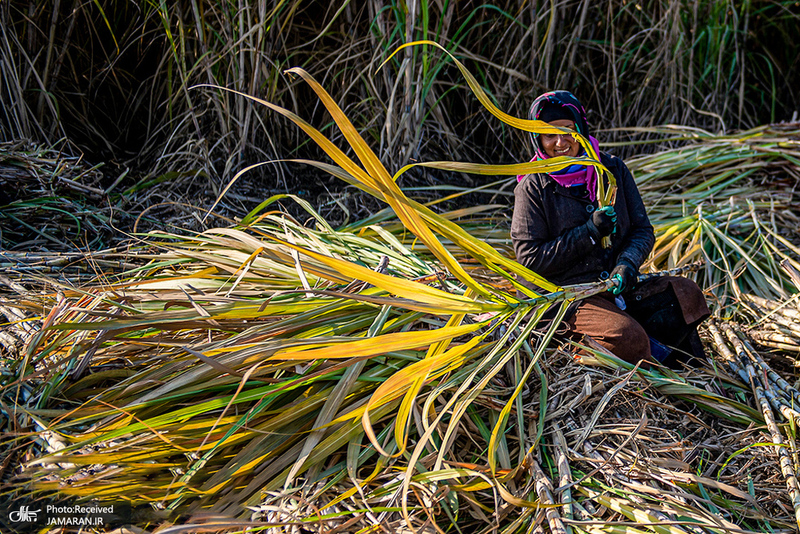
(545, 165)
(373, 346)
(397, 286)
(405, 379)
(380, 178)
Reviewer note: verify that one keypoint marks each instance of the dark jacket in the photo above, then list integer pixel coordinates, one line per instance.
(549, 230)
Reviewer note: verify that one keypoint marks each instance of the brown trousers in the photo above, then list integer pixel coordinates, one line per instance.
(667, 309)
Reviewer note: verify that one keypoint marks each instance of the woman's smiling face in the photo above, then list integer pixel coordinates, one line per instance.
(560, 144)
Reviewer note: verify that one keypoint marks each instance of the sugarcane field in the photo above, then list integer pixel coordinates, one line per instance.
(399, 267)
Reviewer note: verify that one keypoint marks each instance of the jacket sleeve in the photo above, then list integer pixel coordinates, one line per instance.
(533, 246)
(640, 239)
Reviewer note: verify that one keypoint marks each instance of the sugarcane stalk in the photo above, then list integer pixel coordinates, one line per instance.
(582, 291)
(774, 306)
(778, 345)
(790, 331)
(544, 489)
(793, 448)
(785, 460)
(774, 378)
(677, 271)
(773, 386)
(744, 359)
(787, 342)
(780, 321)
(726, 353)
(564, 474)
(779, 403)
(794, 274)
(749, 360)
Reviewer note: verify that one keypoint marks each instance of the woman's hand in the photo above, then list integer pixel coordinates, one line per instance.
(603, 222)
(624, 275)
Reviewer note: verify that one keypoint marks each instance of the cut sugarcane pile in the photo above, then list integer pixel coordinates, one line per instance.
(773, 394)
(606, 446)
(776, 325)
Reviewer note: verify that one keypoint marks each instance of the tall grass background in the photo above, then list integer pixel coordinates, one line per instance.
(118, 79)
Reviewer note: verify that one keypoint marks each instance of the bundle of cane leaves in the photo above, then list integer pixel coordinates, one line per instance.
(742, 251)
(726, 199)
(251, 355)
(712, 169)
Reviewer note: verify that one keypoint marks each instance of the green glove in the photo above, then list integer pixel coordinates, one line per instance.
(603, 222)
(624, 275)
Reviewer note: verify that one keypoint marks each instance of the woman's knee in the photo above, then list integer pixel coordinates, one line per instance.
(626, 339)
(613, 329)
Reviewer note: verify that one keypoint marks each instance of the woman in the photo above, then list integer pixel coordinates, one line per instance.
(557, 231)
